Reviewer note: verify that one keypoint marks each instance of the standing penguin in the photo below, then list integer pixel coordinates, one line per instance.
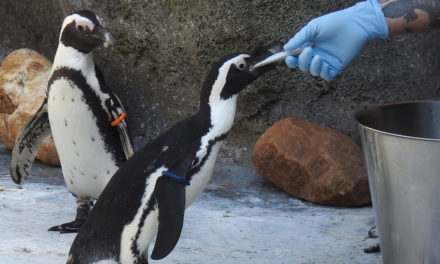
(85, 117)
(149, 193)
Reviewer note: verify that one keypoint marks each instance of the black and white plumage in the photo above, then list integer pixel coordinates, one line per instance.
(141, 200)
(78, 110)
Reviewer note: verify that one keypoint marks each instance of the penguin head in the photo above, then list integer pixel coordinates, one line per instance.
(83, 31)
(232, 73)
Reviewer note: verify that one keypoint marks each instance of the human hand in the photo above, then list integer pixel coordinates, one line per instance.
(336, 39)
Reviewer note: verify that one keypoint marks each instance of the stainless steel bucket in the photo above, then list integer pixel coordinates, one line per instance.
(401, 143)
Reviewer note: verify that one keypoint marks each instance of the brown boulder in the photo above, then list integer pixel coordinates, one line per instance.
(312, 162)
(23, 78)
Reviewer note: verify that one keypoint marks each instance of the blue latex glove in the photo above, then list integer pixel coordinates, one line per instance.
(337, 38)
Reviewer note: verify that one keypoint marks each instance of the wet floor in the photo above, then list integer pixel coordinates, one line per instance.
(240, 218)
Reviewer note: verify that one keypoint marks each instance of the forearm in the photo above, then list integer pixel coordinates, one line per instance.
(411, 15)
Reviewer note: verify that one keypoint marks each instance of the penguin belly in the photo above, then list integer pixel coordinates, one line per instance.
(202, 177)
(86, 165)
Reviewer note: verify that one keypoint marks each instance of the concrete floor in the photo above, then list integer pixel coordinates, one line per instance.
(240, 218)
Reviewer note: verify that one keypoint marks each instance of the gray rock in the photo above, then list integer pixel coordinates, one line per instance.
(164, 48)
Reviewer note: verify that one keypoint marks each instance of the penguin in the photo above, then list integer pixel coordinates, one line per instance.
(147, 196)
(84, 116)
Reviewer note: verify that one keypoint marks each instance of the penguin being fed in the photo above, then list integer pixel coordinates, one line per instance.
(149, 193)
(84, 116)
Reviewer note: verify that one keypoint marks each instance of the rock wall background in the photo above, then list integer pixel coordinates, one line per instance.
(163, 50)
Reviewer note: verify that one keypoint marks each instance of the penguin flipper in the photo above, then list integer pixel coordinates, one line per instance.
(122, 128)
(115, 109)
(27, 144)
(170, 197)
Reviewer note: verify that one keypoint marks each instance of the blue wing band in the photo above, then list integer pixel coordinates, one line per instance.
(175, 177)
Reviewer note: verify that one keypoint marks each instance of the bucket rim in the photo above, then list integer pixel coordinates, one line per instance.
(372, 108)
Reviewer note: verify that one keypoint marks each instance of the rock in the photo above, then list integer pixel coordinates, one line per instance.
(164, 50)
(312, 162)
(23, 78)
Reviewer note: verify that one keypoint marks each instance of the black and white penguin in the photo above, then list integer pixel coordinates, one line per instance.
(84, 116)
(149, 193)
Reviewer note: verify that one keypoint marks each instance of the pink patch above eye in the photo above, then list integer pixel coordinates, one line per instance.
(83, 25)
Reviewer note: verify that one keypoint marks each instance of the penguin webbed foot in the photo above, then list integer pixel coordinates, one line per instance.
(82, 212)
(71, 227)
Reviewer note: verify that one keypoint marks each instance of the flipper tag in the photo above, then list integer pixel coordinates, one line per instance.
(175, 177)
(118, 120)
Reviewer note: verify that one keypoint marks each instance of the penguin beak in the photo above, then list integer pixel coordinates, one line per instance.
(104, 36)
(109, 40)
(263, 56)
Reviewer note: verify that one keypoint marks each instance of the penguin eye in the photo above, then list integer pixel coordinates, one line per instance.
(241, 66)
(80, 28)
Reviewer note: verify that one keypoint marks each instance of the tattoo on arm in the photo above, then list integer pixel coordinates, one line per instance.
(406, 9)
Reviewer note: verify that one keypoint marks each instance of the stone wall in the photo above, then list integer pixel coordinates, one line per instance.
(163, 50)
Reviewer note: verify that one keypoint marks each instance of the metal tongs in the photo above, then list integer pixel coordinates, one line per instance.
(277, 57)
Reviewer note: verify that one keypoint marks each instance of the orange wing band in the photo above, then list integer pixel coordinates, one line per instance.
(119, 120)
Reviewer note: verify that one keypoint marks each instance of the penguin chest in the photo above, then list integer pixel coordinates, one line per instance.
(201, 178)
(86, 165)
